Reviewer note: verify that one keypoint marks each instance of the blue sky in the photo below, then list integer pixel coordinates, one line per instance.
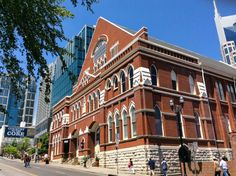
(185, 23)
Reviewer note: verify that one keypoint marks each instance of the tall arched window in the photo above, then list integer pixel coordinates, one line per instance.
(109, 129)
(98, 100)
(131, 76)
(79, 110)
(191, 84)
(173, 80)
(133, 121)
(123, 82)
(158, 121)
(108, 84)
(198, 125)
(117, 125)
(115, 82)
(94, 101)
(153, 72)
(125, 124)
(90, 103)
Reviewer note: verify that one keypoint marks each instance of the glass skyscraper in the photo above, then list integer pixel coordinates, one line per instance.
(43, 117)
(18, 110)
(226, 29)
(62, 82)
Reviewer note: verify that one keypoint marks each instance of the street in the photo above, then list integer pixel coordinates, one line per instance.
(16, 168)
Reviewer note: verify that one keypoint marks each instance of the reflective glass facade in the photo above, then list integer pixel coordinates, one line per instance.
(17, 110)
(62, 83)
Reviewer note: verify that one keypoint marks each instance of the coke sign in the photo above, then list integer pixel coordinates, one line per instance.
(15, 132)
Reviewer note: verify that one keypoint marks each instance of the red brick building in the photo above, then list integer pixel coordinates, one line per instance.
(123, 92)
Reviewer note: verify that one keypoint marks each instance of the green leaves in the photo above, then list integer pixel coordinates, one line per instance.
(29, 30)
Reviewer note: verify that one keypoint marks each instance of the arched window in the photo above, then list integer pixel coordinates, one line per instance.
(191, 84)
(108, 84)
(198, 125)
(94, 101)
(153, 72)
(90, 103)
(125, 124)
(123, 82)
(98, 100)
(79, 108)
(109, 129)
(117, 125)
(115, 82)
(158, 121)
(133, 121)
(99, 54)
(131, 77)
(173, 80)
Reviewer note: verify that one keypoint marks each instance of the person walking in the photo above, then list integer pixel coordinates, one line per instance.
(131, 166)
(216, 166)
(164, 167)
(224, 166)
(151, 164)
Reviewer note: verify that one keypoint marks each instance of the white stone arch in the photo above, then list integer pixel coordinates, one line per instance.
(122, 70)
(124, 122)
(108, 84)
(130, 66)
(132, 119)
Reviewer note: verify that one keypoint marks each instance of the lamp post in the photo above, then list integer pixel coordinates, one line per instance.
(177, 110)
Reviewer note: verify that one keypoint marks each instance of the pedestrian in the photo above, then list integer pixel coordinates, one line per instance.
(46, 159)
(224, 166)
(36, 158)
(131, 166)
(216, 166)
(151, 164)
(25, 160)
(164, 167)
(28, 160)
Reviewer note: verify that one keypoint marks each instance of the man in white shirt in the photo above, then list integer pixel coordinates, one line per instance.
(224, 166)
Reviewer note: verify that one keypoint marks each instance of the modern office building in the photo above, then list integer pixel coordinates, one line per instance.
(63, 81)
(226, 29)
(4, 97)
(139, 95)
(43, 117)
(19, 111)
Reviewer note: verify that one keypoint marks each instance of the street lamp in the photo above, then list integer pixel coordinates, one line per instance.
(177, 110)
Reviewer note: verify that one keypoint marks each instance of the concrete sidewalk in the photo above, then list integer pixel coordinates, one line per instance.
(95, 170)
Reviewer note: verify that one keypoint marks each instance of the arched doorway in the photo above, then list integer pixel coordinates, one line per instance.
(94, 139)
(74, 144)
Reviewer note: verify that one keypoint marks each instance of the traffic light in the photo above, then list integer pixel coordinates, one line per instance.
(82, 144)
(184, 154)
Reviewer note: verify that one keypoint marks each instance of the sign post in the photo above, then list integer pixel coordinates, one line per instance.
(117, 146)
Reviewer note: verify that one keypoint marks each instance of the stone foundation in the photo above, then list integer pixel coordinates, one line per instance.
(141, 154)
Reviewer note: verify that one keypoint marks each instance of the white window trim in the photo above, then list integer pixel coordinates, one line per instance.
(123, 129)
(131, 121)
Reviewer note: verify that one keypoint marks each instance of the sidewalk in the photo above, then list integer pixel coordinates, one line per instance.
(98, 170)
(95, 170)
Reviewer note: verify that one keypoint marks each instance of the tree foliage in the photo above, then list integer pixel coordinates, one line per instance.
(29, 31)
(43, 144)
(24, 145)
(11, 151)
